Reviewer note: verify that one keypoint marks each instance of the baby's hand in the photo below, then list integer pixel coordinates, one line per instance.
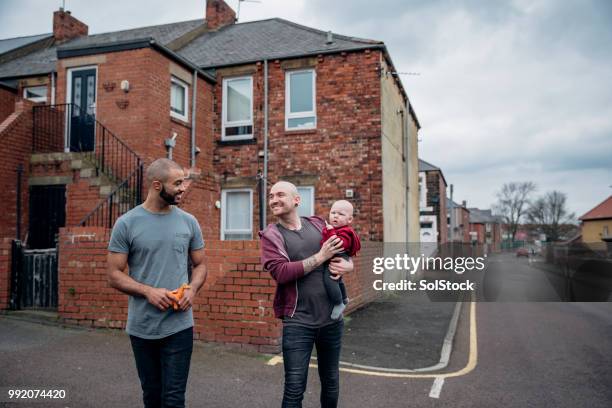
(328, 225)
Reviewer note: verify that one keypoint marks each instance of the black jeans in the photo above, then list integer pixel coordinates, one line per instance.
(297, 348)
(163, 367)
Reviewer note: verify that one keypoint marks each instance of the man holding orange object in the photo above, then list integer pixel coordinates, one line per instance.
(156, 239)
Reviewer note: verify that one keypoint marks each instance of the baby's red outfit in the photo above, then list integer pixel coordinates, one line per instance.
(350, 239)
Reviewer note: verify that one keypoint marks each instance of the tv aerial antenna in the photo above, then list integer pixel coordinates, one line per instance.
(244, 1)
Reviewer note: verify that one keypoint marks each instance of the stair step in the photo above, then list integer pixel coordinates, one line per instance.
(88, 172)
(105, 190)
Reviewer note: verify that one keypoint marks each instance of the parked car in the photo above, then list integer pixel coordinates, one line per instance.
(522, 252)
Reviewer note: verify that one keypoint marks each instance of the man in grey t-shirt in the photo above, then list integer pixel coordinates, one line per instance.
(155, 240)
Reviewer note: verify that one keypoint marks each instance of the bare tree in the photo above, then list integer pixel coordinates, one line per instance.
(512, 202)
(550, 213)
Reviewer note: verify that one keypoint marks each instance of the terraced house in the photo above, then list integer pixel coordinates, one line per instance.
(241, 105)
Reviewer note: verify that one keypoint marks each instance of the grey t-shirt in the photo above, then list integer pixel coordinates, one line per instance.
(313, 305)
(158, 247)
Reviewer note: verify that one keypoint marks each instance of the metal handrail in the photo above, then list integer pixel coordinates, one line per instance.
(111, 156)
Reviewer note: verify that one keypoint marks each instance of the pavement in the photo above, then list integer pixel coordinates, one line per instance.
(96, 367)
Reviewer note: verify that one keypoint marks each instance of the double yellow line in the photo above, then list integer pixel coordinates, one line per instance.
(471, 364)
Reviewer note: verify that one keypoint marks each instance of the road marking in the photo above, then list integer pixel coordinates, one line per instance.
(436, 387)
(471, 364)
(447, 347)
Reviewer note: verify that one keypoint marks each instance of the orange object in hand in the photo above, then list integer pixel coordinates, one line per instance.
(177, 295)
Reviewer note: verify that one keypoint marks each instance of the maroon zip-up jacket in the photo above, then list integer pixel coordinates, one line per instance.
(275, 260)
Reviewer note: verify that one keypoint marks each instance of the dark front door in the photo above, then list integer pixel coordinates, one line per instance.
(47, 215)
(82, 121)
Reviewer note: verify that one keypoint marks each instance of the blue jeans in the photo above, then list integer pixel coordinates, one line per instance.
(163, 367)
(297, 348)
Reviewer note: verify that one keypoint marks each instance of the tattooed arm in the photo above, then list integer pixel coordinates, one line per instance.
(329, 248)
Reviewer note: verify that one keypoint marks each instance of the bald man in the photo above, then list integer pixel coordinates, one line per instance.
(155, 240)
(292, 252)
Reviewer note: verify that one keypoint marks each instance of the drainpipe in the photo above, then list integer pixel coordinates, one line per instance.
(53, 88)
(264, 180)
(193, 119)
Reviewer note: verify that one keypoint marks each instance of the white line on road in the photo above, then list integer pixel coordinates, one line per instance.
(436, 387)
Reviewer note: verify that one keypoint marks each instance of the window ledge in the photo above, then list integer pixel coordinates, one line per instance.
(181, 122)
(300, 131)
(236, 142)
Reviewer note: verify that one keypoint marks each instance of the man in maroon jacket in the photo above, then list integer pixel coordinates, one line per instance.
(292, 252)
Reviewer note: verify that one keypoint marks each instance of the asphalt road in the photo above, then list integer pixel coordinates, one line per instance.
(510, 354)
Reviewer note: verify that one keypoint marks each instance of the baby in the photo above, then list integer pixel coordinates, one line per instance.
(340, 217)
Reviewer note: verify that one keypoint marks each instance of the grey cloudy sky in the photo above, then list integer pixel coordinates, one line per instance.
(508, 90)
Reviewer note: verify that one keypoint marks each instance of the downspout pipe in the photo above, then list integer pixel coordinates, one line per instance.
(193, 119)
(53, 73)
(264, 179)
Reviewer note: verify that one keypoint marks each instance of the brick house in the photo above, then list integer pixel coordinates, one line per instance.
(240, 105)
(485, 229)
(432, 204)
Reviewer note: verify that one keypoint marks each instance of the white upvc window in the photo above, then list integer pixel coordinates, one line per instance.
(179, 99)
(300, 99)
(306, 208)
(237, 115)
(237, 214)
(35, 93)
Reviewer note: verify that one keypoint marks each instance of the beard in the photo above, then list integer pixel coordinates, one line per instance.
(168, 198)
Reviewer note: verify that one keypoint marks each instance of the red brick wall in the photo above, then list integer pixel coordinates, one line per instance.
(234, 307)
(347, 137)
(480, 229)
(15, 149)
(7, 103)
(81, 199)
(5, 272)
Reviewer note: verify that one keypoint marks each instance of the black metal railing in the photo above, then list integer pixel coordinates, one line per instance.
(57, 128)
(127, 195)
(55, 124)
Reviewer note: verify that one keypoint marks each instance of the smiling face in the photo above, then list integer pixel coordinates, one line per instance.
(171, 190)
(283, 198)
(341, 213)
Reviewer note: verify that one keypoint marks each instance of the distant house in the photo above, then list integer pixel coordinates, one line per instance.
(458, 222)
(485, 229)
(432, 204)
(596, 224)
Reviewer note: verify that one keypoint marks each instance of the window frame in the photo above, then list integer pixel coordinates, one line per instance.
(36, 99)
(304, 114)
(312, 198)
(224, 122)
(185, 86)
(224, 213)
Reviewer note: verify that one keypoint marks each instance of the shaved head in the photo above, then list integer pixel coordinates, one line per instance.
(285, 186)
(344, 205)
(160, 170)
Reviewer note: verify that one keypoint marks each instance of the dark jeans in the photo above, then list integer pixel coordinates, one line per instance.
(163, 367)
(297, 348)
(336, 291)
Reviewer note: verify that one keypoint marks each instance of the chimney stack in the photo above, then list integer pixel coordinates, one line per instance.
(219, 14)
(66, 27)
